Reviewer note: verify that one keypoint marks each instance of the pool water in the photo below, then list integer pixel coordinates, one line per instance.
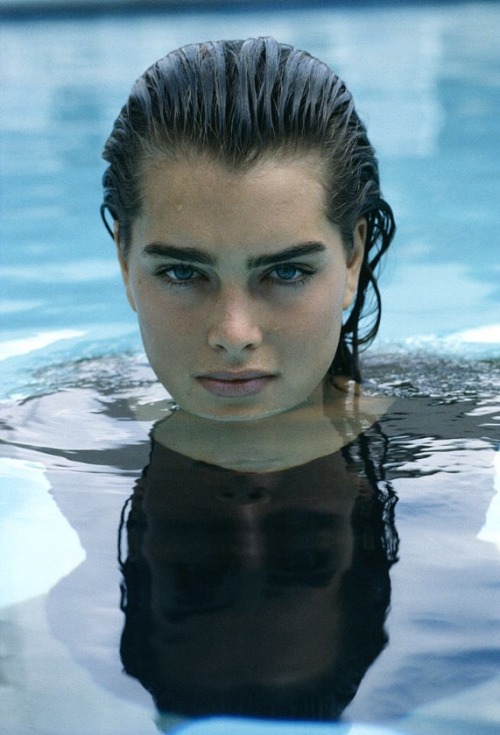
(432, 116)
(199, 554)
(78, 404)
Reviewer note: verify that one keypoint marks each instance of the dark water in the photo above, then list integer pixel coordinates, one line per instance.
(361, 584)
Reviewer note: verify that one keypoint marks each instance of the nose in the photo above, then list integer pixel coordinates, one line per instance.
(234, 328)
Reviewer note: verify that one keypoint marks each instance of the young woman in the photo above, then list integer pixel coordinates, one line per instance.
(248, 219)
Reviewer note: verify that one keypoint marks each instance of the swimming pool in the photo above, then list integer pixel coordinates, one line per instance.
(432, 116)
(70, 339)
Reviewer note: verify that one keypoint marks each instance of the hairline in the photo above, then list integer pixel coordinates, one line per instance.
(288, 151)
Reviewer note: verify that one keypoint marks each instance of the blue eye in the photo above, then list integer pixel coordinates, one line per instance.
(181, 272)
(287, 272)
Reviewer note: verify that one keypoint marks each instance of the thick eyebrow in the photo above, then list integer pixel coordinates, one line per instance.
(193, 255)
(296, 251)
(187, 255)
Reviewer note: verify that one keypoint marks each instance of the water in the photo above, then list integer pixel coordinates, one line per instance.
(70, 350)
(257, 556)
(432, 117)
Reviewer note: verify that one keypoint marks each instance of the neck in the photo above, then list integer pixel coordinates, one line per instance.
(329, 420)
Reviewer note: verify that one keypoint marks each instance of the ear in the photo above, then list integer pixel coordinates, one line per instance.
(355, 262)
(124, 266)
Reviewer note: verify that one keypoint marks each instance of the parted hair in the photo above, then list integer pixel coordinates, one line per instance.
(239, 101)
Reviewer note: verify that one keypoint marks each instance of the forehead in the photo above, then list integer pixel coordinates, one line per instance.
(199, 198)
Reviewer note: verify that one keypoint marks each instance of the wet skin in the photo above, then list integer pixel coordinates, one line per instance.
(239, 282)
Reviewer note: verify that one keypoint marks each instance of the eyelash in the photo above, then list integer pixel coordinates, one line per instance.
(163, 273)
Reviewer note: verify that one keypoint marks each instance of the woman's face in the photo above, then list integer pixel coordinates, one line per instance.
(239, 282)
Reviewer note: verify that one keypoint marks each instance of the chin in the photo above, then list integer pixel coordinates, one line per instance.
(238, 414)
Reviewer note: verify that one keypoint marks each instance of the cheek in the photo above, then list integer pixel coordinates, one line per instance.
(171, 335)
(310, 340)
(317, 317)
(324, 326)
(156, 319)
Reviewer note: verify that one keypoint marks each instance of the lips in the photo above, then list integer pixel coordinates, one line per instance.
(227, 384)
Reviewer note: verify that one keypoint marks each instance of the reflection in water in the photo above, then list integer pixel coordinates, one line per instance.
(443, 655)
(258, 593)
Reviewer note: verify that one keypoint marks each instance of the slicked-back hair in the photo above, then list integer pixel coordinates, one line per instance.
(242, 101)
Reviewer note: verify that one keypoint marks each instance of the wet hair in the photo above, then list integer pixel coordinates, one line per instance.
(241, 101)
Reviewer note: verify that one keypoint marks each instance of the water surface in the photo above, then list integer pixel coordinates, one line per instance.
(373, 569)
(78, 404)
(432, 116)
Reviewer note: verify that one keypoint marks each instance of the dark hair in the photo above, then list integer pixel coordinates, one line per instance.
(239, 101)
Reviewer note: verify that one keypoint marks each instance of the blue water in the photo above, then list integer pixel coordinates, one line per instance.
(426, 80)
(69, 460)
